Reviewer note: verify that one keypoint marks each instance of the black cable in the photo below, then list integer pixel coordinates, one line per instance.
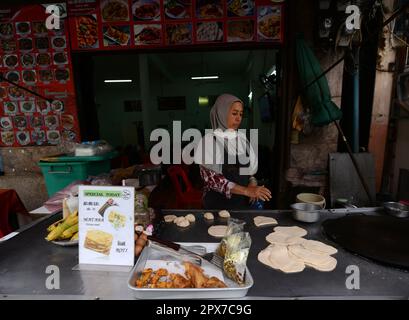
(2, 78)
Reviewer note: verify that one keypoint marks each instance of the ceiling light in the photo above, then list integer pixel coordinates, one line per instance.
(205, 78)
(118, 81)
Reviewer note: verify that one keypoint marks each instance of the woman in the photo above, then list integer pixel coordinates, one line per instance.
(225, 184)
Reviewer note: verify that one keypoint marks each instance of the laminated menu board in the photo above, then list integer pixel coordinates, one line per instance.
(39, 59)
(124, 24)
(106, 225)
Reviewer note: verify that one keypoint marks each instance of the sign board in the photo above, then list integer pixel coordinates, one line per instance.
(106, 225)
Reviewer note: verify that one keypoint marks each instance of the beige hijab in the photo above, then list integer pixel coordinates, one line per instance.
(221, 109)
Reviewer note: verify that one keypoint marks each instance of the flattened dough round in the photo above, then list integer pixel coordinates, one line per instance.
(329, 265)
(309, 257)
(169, 218)
(319, 247)
(283, 239)
(209, 216)
(217, 231)
(292, 231)
(277, 257)
(224, 214)
(183, 223)
(264, 221)
(191, 218)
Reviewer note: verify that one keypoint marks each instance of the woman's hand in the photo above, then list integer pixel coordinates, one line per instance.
(253, 183)
(261, 193)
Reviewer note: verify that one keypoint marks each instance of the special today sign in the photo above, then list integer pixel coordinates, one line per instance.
(106, 225)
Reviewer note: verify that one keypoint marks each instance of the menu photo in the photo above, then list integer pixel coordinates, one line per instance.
(269, 23)
(148, 34)
(116, 35)
(146, 10)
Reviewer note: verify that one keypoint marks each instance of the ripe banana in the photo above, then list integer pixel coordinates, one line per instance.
(55, 225)
(56, 233)
(74, 237)
(68, 233)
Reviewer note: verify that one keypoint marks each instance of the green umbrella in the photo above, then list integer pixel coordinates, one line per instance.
(317, 95)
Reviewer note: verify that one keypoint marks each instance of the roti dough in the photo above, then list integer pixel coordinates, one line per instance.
(283, 239)
(183, 223)
(178, 220)
(217, 231)
(292, 231)
(264, 221)
(191, 218)
(209, 216)
(224, 214)
(319, 247)
(277, 257)
(169, 218)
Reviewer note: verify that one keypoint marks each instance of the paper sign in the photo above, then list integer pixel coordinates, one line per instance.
(106, 225)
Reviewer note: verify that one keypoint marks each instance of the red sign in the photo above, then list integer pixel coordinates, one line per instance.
(39, 59)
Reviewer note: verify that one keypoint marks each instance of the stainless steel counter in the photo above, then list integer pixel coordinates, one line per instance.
(25, 257)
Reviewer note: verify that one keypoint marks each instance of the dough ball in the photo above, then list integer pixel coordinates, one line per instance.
(170, 218)
(183, 223)
(191, 218)
(217, 231)
(209, 216)
(178, 219)
(224, 214)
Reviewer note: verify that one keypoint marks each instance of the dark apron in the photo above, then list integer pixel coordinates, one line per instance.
(216, 201)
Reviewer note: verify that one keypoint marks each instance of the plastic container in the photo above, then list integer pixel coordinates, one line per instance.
(61, 171)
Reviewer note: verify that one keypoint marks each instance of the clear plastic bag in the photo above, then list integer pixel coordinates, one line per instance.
(233, 226)
(237, 251)
(92, 148)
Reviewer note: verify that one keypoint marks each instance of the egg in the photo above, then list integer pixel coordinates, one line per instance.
(144, 236)
(138, 250)
(136, 237)
(141, 242)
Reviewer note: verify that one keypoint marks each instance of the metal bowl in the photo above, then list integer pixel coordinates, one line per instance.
(306, 212)
(396, 209)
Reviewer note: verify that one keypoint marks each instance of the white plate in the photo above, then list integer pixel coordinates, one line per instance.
(67, 243)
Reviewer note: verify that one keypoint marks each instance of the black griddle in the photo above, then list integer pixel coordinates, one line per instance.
(383, 239)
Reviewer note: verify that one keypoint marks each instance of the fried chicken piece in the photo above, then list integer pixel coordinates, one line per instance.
(195, 275)
(159, 274)
(214, 282)
(178, 281)
(161, 285)
(144, 278)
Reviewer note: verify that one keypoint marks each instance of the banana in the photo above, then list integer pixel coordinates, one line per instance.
(68, 233)
(58, 231)
(55, 225)
(74, 237)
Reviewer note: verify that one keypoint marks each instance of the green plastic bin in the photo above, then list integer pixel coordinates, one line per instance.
(62, 171)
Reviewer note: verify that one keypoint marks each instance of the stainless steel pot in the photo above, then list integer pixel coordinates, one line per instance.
(396, 209)
(149, 176)
(306, 212)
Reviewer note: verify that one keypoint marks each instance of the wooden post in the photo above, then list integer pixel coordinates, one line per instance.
(383, 94)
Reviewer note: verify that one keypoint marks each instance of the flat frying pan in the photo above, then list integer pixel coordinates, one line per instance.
(383, 239)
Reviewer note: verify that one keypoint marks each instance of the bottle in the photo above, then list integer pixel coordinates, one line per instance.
(258, 205)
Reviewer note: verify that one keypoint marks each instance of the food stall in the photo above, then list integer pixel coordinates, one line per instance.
(25, 266)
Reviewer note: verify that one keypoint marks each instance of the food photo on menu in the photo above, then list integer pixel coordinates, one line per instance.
(269, 23)
(240, 8)
(211, 31)
(87, 32)
(116, 35)
(180, 33)
(209, 9)
(148, 34)
(114, 10)
(240, 30)
(178, 9)
(146, 10)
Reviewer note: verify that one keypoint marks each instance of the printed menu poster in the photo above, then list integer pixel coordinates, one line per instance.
(106, 225)
(36, 58)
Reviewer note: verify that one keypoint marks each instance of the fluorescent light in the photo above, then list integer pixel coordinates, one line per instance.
(251, 95)
(205, 78)
(118, 81)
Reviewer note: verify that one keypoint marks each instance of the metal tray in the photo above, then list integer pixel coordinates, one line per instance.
(233, 291)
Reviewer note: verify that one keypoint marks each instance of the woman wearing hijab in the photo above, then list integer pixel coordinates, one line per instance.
(227, 183)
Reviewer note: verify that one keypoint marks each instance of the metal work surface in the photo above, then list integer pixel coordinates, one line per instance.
(24, 259)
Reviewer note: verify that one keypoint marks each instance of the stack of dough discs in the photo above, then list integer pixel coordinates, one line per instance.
(292, 231)
(209, 216)
(191, 218)
(277, 257)
(319, 247)
(169, 218)
(224, 214)
(264, 221)
(217, 231)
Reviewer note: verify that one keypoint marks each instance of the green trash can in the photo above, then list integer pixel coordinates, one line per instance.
(61, 171)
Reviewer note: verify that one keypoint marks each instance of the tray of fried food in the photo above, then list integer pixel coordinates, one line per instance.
(160, 275)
